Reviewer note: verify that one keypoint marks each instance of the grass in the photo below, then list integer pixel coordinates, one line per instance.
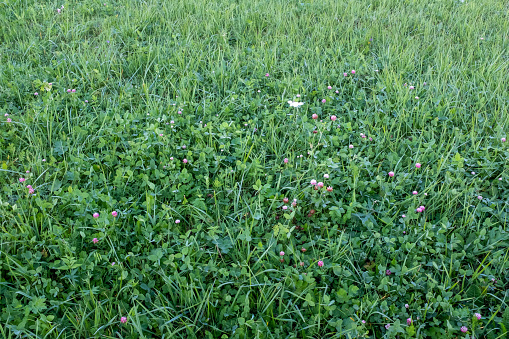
(118, 143)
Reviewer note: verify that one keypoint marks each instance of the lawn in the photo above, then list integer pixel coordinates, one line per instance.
(254, 169)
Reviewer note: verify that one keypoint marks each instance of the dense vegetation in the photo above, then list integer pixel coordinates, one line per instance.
(159, 177)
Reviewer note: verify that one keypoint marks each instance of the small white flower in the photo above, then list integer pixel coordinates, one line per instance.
(295, 103)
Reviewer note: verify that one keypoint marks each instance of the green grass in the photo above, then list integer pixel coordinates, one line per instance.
(117, 144)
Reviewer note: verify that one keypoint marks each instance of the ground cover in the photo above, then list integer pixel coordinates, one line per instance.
(254, 169)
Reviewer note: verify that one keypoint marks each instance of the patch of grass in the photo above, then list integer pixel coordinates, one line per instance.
(175, 115)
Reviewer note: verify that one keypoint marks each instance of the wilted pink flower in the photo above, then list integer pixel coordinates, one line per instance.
(329, 189)
(333, 118)
(281, 253)
(123, 320)
(391, 174)
(285, 160)
(114, 214)
(177, 221)
(95, 240)
(417, 165)
(351, 146)
(326, 176)
(301, 263)
(313, 182)
(303, 249)
(409, 321)
(324, 101)
(353, 71)
(285, 200)
(95, 215)
(478, 316)
(320, 263)
(414, 192)
(294, 203)
(464, 329)
(22, 179)
(184, 161)
(314, 116)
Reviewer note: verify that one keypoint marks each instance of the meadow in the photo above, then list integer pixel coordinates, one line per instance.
(254, 169)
